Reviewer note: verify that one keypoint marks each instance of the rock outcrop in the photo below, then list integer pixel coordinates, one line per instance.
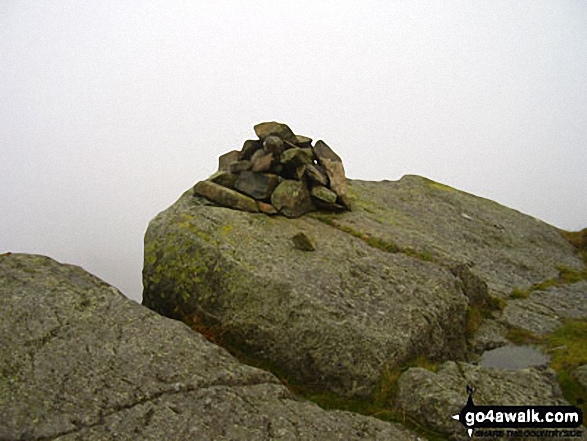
(278, 173)
(387, 282)
(79, 361)
(432, 396)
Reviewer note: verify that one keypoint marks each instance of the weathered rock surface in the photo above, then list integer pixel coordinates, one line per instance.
(544, 311)
(272, 128)
(79, 361)
(332, 164)
(333, 318)
(580, 374)
(434, 397)
(505, 248)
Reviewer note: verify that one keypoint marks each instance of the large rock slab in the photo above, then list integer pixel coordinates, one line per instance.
(79, 361)
(433, 397)
(544, 311)
(504, 247)
(333, 318)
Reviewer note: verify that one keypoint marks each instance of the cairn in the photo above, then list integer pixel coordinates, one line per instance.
(280, 172)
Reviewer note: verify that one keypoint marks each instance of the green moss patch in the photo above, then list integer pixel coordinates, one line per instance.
(374, 242)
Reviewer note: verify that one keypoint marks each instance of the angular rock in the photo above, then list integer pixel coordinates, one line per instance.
(303, 141)
(224, 178)
(256, 185)
(262, 161)
(225, 160)
(304, 242)
(239, 167)
(79, 361)
(474, 287)
(249, 148)
(317, 174)
(273, 145)
(334, 170)
(225, 196)
(297, 157)
(272, 128)
(266, 208)
(322, 194)
(292, 199)
(432, 398)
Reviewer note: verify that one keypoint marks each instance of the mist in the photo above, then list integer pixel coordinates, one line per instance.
(110, 110)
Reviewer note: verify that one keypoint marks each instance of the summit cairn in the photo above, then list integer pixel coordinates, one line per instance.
(280, 172)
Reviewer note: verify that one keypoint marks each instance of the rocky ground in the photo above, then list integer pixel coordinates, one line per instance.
(79, 361)
(416, 270)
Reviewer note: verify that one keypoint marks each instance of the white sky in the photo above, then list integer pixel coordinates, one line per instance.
(110, 109)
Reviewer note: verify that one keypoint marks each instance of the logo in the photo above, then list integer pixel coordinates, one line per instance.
(518, 418)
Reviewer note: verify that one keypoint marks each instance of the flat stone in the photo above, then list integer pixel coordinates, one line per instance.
(303, 141)
(323, 194)
(225, 196)
(273, 145)
(292, 198)
(317, 174)
(266, 208)
(240, 166)
(249, 147)
(334, 170)
(224, 178)
(262, 161)
(225, 160)
(304, 242)
(272, 128)
(256, 185)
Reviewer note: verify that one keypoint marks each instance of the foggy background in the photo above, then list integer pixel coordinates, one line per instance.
(110, 110)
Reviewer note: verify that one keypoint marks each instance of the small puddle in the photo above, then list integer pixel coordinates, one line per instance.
(513, 357)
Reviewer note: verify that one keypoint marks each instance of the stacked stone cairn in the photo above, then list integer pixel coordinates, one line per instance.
(278, 173)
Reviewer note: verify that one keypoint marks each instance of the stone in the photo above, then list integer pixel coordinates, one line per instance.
(304, 242)
(224, 178)
(262, 161)
(292, 199)
(322, 194)
(580, 373)
(296, 157)
(256, 185)
(431, 398)
(273, 145)
(80, 361)
(240, 166)
(474, 287)
(225, 160)
(303, 141)
(266, 208)
(225, 196)
(272, 128)
(545, 310)
(317, 174)
(332, 164)
(249, 148)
